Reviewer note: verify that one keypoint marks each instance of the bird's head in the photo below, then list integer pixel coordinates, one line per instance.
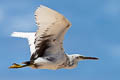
(73, 60)
(76, 57)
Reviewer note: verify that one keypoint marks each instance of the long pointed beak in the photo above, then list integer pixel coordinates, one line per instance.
(90, 58)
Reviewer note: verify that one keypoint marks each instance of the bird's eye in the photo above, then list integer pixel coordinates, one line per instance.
(77, 57)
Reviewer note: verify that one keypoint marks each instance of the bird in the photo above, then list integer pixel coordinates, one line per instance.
(46, 44)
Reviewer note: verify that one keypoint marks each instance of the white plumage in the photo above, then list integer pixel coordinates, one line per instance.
(29, 36)
(46, 45)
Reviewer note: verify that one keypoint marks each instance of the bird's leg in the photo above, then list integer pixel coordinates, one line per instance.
(17, 66)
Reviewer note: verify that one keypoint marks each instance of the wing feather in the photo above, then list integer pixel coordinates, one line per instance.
(51, 27)
(51, 22)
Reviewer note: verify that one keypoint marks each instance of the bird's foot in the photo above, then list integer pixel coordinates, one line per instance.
(16, 66)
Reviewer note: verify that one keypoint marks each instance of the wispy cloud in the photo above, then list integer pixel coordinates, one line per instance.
(16, 16)
(24, 23)
(114, 50)
(1, 15)
(112, 8)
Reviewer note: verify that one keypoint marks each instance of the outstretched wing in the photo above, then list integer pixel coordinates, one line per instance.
(51, 29)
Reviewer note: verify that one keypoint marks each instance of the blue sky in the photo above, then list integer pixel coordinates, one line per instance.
(95, 31)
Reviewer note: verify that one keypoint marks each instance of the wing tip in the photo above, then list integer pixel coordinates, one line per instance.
(42, 6)
(13, 34)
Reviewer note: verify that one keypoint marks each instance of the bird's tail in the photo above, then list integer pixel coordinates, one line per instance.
(22, 34)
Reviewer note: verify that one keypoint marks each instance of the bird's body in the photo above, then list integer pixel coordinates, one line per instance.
(46, 45)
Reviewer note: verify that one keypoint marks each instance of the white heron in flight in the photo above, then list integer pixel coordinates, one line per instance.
(46, 45)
